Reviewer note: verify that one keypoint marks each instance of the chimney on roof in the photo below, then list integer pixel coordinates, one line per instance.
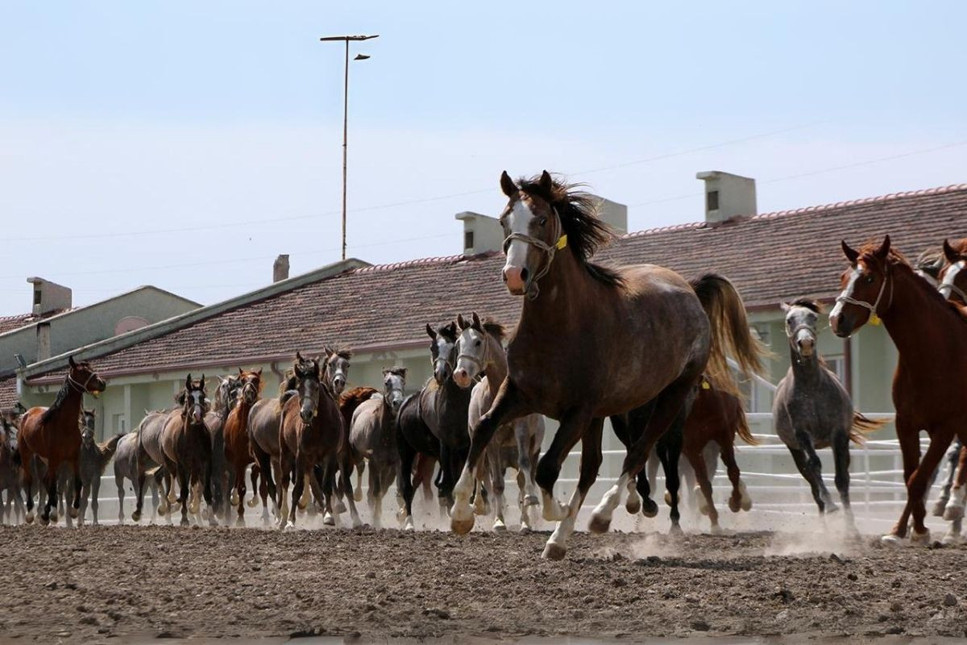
(280, 269)
(49, 297)
(43, 340)
(727, 195)
(480, 233)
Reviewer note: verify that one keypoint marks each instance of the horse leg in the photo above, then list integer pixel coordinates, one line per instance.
(240, 491)
(346, 473)
(139, 497)
(556, 547)
(667, 407)
(697, 462)
(285, 475)
(184, 485)
(574, 426)
(621, 425)
(909, 439)
(815, 468)
(360, 467)
(497, 484)
(506, 407)
(954, 510)
(27, 474)
(842, 459)
(374, 497)
(806, 470)
(740, 499)
(939, 508)
(298, 485)
(50, 482)
(917, 485)
(669, 450)
(254, 473)
(525, 465)
(404, 480)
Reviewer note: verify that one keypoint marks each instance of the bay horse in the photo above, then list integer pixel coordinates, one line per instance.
(372, 437)
(238, 454)
(480, 353)
(811, 410)
(416, 445)
(930, 384)
(51, 434)
(593, 342)
(186, 446)
(313, 434)
(94, 459)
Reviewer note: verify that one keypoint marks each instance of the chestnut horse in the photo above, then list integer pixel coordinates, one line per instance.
(187, 446)
(930, 384)
(238, 454)
(51, 434)
(594, 342)
(313, 434)
(480, 352)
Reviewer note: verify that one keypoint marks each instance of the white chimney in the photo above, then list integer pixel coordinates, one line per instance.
(480, 233)
(49, 297)
(727, 195)
(280, 269)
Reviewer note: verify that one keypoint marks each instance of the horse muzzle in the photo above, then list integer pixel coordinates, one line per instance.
(338, 384)
(462, 377)
(516, 279)
(840, 325)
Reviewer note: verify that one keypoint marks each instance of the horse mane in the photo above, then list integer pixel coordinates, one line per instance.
(341, 353)
(65, 389)
(897, 259)
(495, 329)
(352, 399)
(813, 305)
(585, 231)
(397, 370)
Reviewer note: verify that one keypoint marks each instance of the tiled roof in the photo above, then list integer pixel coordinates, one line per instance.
(8, 392)
(769, 257)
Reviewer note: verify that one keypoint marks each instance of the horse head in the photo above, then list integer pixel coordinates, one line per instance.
(864, 295)
(802, 317)
(308, 376)
(194, 400)
(226, 394)
(953, 277)
(337, 368)
(249, 385)
(83, 378)
(442, 350)
(87, 421)
(473, 349)
(394, 382)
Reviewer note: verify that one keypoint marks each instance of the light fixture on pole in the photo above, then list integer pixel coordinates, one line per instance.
(345, 121)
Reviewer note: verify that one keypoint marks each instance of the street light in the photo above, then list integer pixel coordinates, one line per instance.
(345, 121)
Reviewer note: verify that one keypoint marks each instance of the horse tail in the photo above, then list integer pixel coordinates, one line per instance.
(109, 447)
(729, 327)
(352, 399)
(863, 426)
(742, 426)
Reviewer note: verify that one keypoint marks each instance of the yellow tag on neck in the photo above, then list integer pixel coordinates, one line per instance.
(705, 385)
(561, 243)
(874, 319)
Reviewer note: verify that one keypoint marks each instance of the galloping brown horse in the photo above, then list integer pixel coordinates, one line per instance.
(187, 446)
(237, 452)
(930, 384)
(51, 434)
(594, 342)
(313, 434)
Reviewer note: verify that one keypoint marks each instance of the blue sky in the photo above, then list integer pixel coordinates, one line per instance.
(186, 144)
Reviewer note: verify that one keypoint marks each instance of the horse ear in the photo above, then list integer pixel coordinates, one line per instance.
(884, 250)
(546, 183)
(851, 254)
(949, 253)
(507, 185)
(430, 332)
(259, 373)
(463, 324)
(241, 371)
(476, 322)
(70, 361)
(298, 356)
(785, 307)
(188, 382)
(202, 383)
(401, 371)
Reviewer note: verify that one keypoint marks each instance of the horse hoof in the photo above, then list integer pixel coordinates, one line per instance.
(633, 505)
(52, 519)
(408, 525)
(531, 500)
(953, 512)
(328, 519)
(952, 539)
(339, 506)
(735, 505)
(46, 520)
(939, 508)
(524, 529)
(649, 508)
(598, 524)
(746, 504)
(553, 551)
(30, 518)
(73, 513)
(891, 539)
(184, 521)
(676, 530)
(668, 498)
(240, 523)
(715, 529)
(499, 526)
(920, 539)
(135, 516)
(358, 495)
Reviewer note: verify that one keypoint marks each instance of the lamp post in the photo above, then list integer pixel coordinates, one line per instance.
(345, 121)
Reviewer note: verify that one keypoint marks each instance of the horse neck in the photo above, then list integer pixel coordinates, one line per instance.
(805, 369)
(69, 409)
(912, 319)
(564, 292)
(496, 367)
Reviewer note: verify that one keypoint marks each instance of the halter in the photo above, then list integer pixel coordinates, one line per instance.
(874, 317)
(799, 328)
(80, 387)
(951, 287)
(549, 249)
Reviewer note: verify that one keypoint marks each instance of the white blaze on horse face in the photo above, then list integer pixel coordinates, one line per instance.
(517, 221)
(949, 278)
(848, 291)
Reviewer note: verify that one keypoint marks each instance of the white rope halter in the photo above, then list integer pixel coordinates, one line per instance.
(865, 305)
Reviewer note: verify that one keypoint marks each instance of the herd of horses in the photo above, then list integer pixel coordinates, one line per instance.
(637, 345)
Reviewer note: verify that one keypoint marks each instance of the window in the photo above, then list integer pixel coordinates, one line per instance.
(468, 239)
(712, 200)
(837, 365)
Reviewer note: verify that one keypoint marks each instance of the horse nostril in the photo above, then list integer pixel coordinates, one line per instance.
(523, 274)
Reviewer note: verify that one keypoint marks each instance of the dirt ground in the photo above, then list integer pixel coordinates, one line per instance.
(140, 583)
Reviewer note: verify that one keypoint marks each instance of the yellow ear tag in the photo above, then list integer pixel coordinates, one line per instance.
(874, 319)
(561, 243)
(706, 386)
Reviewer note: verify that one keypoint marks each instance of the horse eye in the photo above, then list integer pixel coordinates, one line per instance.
(542, 221)
(869, 279)
(477, 344)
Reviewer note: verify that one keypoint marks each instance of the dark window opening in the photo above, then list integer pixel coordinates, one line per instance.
(36, 296)
(712, 200)
(468, 239)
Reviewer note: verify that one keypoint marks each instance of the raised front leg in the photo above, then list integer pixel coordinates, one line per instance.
(506, 407)
(813, 472)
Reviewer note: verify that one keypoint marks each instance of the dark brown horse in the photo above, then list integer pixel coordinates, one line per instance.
(10, 474)
(594, 342)
(226, 394)
(187, 446)
(930, 384)
(94, 458)
(51, 434)
(312, 435)
(238, 454)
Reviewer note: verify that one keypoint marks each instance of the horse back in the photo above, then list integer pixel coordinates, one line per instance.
(264, 424)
